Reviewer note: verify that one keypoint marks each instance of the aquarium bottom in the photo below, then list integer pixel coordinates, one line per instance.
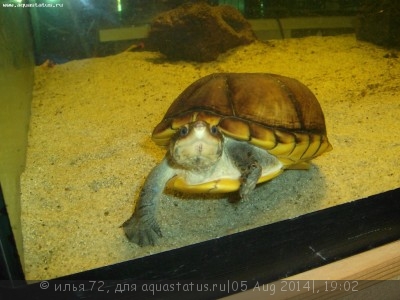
(261, 255)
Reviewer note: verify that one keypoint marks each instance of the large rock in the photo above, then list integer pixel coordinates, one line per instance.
(198, 31)
(379, 23)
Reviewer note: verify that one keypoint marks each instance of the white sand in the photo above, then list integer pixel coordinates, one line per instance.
(90, 148)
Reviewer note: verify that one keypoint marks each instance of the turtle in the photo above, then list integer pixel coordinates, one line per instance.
(228, 132)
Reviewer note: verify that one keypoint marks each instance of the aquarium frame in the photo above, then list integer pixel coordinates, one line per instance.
(264, 254)
(10, 264)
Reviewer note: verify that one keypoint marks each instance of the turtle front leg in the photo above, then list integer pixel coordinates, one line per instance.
(249, 179)
(247, 159)
(142, 227)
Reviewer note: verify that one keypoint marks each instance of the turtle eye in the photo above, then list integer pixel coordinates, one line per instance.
(214, 130)
(183, 131)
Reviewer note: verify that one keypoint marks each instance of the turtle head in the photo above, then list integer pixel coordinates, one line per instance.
(197, 145)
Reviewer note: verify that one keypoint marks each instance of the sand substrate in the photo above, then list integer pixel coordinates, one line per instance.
(90, 148)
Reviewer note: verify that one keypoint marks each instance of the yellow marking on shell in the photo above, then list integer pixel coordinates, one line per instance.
(270, 176)
(263, 137)
(178, 122)
(267, 144)
(302, 142)
(314, 147)
(307, 148)
(235, 128)
(286, 143)
(208, 118)
(304, 165)
(325, 146)
(163, 138)
(223, 185)
(286, 161)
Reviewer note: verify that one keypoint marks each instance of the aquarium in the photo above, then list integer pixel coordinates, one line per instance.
(84, 83)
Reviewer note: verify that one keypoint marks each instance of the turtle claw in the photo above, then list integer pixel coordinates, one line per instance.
(249, 180)
(143, 232)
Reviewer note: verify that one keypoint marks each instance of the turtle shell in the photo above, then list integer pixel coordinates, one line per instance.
(273, 112)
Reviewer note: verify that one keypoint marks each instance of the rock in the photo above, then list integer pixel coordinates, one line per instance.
(198, 31)
(379, 23)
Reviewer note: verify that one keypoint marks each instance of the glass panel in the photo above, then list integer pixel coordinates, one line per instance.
(16, 81)
(104, 80)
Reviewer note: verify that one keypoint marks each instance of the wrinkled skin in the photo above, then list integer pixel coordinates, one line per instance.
(197, 147)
